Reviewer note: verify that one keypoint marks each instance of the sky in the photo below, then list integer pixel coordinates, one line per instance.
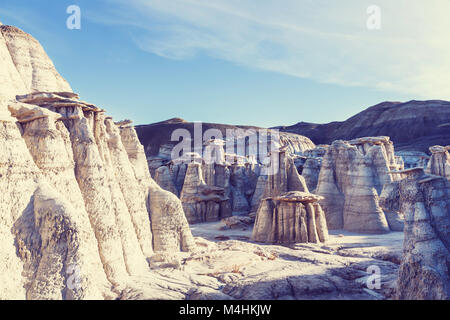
(251, 62)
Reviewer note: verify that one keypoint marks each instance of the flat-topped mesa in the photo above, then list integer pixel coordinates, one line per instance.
(291, 217)
(201, 202)
(351, 177)
(424, 200)
(25, 67)
(439, 163)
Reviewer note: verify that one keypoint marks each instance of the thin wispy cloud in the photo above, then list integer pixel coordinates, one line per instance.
(326, 41)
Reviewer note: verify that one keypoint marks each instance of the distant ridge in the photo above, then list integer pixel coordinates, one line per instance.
(414, 125)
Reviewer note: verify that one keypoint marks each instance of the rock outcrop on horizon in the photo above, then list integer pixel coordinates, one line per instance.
(424, 273)
(351, 178)
(412, 126)
(80, 214)
(439, 163)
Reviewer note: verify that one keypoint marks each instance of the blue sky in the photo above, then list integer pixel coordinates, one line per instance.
(255, 62)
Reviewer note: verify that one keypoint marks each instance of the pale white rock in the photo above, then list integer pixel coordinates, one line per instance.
(25, 65)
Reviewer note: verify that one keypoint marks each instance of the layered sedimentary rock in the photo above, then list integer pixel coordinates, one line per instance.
(25, 67)
(164, 179)
(351, 178)
(236, 175)
(201, 202)
(77, 196)
(311, 170)
(292, 217)
(425, 201)
(288, 212)
(439, 163)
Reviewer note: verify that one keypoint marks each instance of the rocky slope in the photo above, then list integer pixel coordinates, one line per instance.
(425, 201)
(25, 67)
(412, 126)
(80, 214)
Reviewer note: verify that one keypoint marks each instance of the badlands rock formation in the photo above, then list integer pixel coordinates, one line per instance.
(25, 67)
(439, 163)
(412, 126)
(425, 201)
(158, 145)
(293, 217)
(352, 176)
(80, 214)
(236, 176)
(288, 213)
(203, 203)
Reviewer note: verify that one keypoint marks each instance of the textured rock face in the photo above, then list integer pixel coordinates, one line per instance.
(78, 203)
(425, 202)
(288, 213)
(351, 178)
(292, 217)
(164, 179)
(259, 192)
(311, 170)
(25, 67)
(202, 203)
(283, 176)
(439, 163)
